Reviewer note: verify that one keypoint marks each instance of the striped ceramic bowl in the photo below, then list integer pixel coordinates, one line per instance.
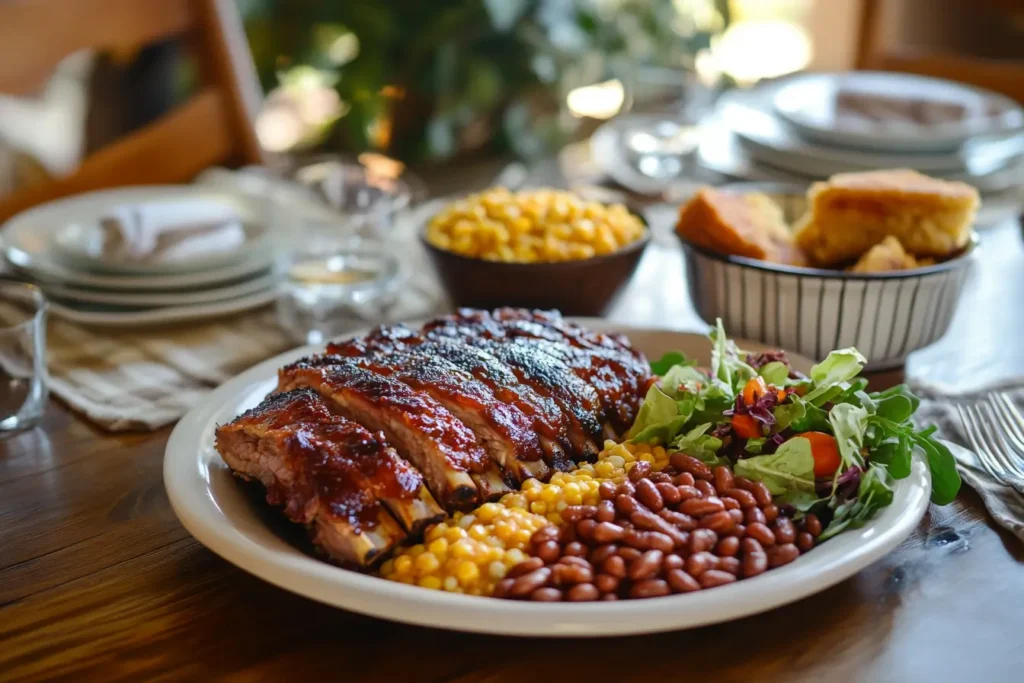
(812, 311)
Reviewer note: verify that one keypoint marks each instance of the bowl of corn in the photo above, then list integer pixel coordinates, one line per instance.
(538, 248)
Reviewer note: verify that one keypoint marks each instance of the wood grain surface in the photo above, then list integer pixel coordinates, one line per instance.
(98, 580)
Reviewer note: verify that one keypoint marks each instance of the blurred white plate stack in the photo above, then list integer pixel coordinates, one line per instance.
(811, 126)
(146, 255)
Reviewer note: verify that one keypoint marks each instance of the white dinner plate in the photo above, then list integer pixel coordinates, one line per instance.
(214, 508)
(808, 102)
(748, 114)
(154, 299)
(29, 243)
(99, 315)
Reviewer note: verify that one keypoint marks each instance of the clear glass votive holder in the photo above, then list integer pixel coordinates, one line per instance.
(23, 380)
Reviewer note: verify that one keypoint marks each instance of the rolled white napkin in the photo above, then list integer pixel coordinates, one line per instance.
(938, 407)
(170, 231)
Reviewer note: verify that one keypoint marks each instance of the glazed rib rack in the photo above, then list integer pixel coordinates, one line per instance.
(374, 440)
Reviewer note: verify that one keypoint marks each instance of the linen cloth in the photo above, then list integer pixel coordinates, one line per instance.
(938, 406)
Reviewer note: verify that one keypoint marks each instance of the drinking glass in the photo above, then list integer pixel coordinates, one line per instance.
(23, 381)
(338, 256)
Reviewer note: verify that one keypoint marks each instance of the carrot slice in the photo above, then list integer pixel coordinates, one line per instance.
(825, 451)
(746, 427)
(753, 390)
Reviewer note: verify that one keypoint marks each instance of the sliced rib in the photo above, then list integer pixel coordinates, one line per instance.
(330, 474)
(457, 470)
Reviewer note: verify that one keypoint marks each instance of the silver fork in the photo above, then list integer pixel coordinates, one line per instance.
(995, 429)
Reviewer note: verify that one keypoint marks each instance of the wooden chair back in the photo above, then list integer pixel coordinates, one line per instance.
(214, 126)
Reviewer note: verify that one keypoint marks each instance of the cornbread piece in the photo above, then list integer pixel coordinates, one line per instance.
(852, 212)
(886, 256)
(456, 469)
(750, 225)
(329, 473)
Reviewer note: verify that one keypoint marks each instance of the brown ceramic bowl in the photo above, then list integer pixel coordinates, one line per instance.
(585, 287)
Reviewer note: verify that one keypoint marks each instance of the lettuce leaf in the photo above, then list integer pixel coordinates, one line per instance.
(658, 407)
(669, 360)
(789, 469)
(849, 422)
(776, 373)
(873, 494)
(701, 445)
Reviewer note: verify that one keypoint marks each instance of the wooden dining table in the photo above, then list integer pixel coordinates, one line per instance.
(99, 580)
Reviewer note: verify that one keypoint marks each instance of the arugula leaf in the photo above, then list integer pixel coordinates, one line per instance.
(849, 422)
(727, 366)
(897, 408)
(898, 390)
(945, 478)
(775, 373)
(701, 445)
(801, 500)
(894, 452)
(657, 407)
(814, 419)
(754, 446)
(788, 413)
(669, 360)
(790, 468)
(839, 366)
(873, 494)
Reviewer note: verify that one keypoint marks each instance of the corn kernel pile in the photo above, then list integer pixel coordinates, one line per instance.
(532, 226)
(470, 552)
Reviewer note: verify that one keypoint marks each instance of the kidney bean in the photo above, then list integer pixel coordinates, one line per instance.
(761, 533)
(743, 497)
(648, 494)
(785, 532)
(646, 566)
(743, 483)
(698, 563)
(606, 532)
(723, 478)
(771, 513)
(804, 541)
(549, 551)
(606, 490)
(575, 548)
(525, 567)
(545, 533)
(575, 513)
(706, 488)
(615, 566)
(629, 554)
(626, 488)
(606, 583)
(730, 503)
(626, 504)
(729, 564)
(609, 597)
(782, 554)
(639, 471)
(681, 582)
(702, 506)
(605, 511)
(649, 540)
(688, 492)
(739, 531)
(568, 534)
(575, 561)
(601, 553)
(715, 577)
(527, 583)
(813, 525)
(585, 528)
(719, 522)
(582, 592)
(688, 463)
(679, 520)
(501, 588)
(649, 588)
(761, 493)
(672, 561)
(754, 514)
(572, 574)
(702, 539)
(754, 564)
(643, 519)
(669, 492)
(751, 545)
(737, 516)
(685, 479)
(546, 595)
(660, 478)
(728, 546)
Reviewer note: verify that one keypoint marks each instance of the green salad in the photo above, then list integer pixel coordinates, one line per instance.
(821, 444)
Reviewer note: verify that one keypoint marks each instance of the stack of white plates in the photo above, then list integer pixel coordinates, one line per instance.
(58, 246)
(812, 126)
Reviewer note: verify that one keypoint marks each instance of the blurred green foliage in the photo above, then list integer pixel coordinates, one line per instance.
(434, 78)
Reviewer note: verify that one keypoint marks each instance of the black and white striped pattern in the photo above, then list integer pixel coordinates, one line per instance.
(886, 316)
